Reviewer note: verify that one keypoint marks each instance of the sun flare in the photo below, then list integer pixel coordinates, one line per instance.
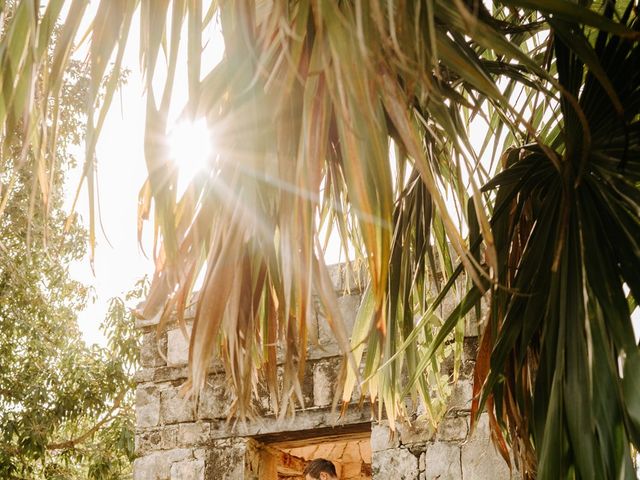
(190, 148)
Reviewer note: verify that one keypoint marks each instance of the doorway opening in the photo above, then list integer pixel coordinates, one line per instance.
(285, 455)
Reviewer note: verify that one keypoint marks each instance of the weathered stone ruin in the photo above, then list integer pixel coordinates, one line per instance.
(178, 440)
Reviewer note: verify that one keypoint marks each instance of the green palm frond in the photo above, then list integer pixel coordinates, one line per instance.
(561, 328)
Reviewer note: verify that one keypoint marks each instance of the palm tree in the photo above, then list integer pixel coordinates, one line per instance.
(357, 117)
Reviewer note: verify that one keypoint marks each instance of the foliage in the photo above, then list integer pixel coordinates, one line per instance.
(572, 232)
(66, 409)
(358, 117)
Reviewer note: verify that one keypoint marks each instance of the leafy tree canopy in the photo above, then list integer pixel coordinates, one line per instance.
(65, 408)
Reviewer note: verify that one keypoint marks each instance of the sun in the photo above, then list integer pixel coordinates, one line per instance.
(190, 148)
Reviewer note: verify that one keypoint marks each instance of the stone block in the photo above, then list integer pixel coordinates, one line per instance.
(144, 375)
(169, 436)
(170, 374)
(149, 468)
(148, 441)
(470, 349)
(193, 434)
(473, 326)
(417, 432)
(226, 460)
(325, 374)
(442, 462)
(307, 419)
(178, 347)
(188, 470)
(312, 330)
(157, 466)
(348, 306)
(397, 463)
(469, 356)
(147, 322)
(480, 459)
(147, 406)
(382, 438)
(461, 395)
(152, 350)
(344, 278)
(262, 404)
(174, 407)
(453, 429)
(215, 399)
(307, 385)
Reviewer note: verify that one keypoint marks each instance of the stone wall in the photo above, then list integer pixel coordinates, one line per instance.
(451, 452)
(177, 439)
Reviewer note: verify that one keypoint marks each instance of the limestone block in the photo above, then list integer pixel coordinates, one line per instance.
(312, 329)
(188, 470)
(348, 277)
(174, 407)
(215, 399)
(307, 383)
(177, 454)
(348, 305)
(442, 462)
(470, 348)
(193, 434)
(147, 406)
(226, 460)
(304, 420)
(170, 374)
(453, 429)
(157, 466)
(471, 324)
(200, 453)
(149, 468)
(177, 347)
(418, 432)
(480, 459)
(262, 404)
(325, 374)
(144, 375)
(397, 463)
(469, 356)
(461, 395)
(148, 441)
(148, 322)
(336, 273)
(151, 348)
(169, 436)
(382, 438)
(449, 302)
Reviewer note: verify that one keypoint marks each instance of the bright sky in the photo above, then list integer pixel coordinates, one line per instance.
(119, 263)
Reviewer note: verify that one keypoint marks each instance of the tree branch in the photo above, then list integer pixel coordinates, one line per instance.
(74, 441)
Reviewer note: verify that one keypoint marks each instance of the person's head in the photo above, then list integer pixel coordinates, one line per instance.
(320, 469)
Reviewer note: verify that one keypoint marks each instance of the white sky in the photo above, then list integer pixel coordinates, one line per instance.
(121, 174)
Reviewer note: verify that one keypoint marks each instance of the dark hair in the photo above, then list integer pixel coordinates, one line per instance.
(315, 467)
